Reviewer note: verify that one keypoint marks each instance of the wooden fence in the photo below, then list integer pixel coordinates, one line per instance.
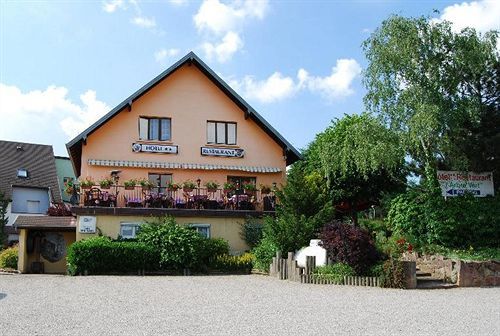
(287, 269)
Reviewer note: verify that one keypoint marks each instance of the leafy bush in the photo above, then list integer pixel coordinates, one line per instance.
(349, 244)
(101, 255)
(251, 231)
(179, 247)
(212, 248)
(8, 257)
(264, 253)
(457, 222)
(59, 209)
(233, 263)
(335, 272)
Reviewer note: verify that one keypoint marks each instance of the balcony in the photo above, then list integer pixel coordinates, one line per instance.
(157, 201)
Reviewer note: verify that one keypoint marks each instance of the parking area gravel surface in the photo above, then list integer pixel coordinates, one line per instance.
(235, 305)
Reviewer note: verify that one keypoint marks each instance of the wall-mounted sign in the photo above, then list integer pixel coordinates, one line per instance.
(226, 152)
(455, 183)
(87, 224)
(150, 148)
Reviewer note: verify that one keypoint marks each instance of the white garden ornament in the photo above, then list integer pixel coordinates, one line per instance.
(314, 249)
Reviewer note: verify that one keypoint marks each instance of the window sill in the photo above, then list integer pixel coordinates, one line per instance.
(221, 145)
(155, 142)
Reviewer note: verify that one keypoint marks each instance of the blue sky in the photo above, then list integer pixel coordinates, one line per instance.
(63, 64)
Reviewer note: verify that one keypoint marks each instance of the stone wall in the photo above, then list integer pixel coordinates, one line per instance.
(478, 274)
(439, 267)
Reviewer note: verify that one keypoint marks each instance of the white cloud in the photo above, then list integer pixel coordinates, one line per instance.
(225, 49)
(178, 2)
(113, 5)
(278, 87)
(144, 22)
(220, 18)
(162, 54)
(337, 84)
(40, 116)
(481, 15)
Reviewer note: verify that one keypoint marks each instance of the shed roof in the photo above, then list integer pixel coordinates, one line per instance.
(45, 222)
(75, 146)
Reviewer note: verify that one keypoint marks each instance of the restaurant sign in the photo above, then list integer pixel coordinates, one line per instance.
(151, 148)
(455, 183)
(226, 152)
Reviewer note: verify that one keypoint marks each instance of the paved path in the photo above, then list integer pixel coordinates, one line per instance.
(235, 305)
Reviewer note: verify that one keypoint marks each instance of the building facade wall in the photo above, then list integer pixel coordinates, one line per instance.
(190, 99)
(64, 171)
(228, 228)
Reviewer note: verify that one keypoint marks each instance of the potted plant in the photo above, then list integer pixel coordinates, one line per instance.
(188, 186)
(69, 187)
(87, 183)
(265, 189)
(249, 188)
(106, 183)
(130, 184)
(146, 184)
(228, 187)
(212, 186)
(173, 186)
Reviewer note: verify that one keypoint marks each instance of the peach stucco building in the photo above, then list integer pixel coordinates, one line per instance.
(185, 125)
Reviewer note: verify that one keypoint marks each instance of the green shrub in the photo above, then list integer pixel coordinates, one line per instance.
(457, 222)
(251, 232)
(264, 253)
(8, 257)
(376, 270)
(101, 255)
(179, 247)
(233, 263)
(212, 248)
(335, 272)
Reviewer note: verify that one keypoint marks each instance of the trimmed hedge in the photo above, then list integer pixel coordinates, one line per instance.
(101, 255)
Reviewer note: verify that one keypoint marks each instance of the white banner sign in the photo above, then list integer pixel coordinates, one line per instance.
(227, 152)
(455, 183)
(87, 224)
(150, 148)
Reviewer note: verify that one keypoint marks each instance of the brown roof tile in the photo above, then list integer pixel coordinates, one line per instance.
(37, 159)
(45, 222)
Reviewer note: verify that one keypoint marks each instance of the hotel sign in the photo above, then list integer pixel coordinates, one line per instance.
(225, 152)
(87, 224)
(455, 183)
(150, 148)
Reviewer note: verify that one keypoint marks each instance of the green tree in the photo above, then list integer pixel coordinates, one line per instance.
(360, 159)
(439, 90)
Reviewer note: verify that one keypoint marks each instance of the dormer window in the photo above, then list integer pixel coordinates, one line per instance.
(22, 173)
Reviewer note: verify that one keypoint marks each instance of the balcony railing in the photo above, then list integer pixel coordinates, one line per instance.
(200, 198)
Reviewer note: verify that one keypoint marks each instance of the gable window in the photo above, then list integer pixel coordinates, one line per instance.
(129, 230)
(155, 129)
(221, 132)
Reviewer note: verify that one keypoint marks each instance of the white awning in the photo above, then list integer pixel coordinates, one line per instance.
(174, 165)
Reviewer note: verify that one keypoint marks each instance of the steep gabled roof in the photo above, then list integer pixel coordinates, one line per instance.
(38, 160)
(75, 146)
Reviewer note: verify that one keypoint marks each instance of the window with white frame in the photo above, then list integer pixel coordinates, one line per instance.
(221, 132)
(129, 230)
(155, 129)
(203, 229)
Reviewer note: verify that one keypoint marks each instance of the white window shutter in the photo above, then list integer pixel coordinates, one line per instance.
(143, 128)
(210, 132)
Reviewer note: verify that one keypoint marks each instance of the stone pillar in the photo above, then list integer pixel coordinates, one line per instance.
(22, 261)
(410, 274)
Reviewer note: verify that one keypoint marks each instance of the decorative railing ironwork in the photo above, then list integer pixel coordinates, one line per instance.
(199, 198)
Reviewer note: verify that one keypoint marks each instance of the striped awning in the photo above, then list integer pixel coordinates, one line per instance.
(175, 165)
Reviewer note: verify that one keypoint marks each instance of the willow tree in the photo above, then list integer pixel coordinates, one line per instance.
(439, 90)
(360, 159)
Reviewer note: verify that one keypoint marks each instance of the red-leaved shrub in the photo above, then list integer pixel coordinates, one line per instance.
(349, 244)
(59, 209)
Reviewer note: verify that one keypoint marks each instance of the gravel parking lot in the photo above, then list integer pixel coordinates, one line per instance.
(235, 305)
